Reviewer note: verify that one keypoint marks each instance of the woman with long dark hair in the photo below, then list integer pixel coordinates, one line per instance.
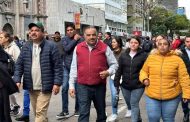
(130, 64)
(117, 46)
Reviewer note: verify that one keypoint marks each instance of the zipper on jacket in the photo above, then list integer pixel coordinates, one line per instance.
(161, 78)
(131, 64)
(89, 62)
(130, 68)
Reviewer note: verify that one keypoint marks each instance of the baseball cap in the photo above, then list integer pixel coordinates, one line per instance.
(37, 24)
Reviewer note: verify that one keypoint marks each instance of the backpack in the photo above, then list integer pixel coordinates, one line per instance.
(147, 46)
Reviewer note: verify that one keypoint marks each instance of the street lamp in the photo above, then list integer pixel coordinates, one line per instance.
(148, 23)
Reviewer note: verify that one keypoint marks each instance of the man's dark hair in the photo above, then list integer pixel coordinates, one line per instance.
(187, 37)
(71, 25)
(89, 27)
(100, 32)
(147, 38)
(57, 32)
(108, 33)
(16, 38)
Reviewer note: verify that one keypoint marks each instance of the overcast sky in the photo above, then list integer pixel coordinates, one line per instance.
(186, 4)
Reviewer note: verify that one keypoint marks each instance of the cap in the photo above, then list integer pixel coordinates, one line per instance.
(37, 24)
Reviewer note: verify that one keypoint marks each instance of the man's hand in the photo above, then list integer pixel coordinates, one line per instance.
(77, 37)
(146, 82)
(72, 92)
(18, 85)
(55, 89)
(104, 74)
(185, 100)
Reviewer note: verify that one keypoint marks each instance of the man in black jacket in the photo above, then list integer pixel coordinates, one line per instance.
(108, 39)
(186, 59)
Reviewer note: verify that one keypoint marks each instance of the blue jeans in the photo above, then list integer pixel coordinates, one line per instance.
(113, 95)
(65, 88)
(26, 103)
(133, 97)
(162, 108)
(97, 94)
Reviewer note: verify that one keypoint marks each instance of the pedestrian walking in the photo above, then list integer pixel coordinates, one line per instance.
(7, 87)
(6, 40)
(108, 39)
(117, 46)
(130, 64)
(26, 103)
(186, 58)
(69, 42)
(92, 63)
(165, 76)
(41, 67)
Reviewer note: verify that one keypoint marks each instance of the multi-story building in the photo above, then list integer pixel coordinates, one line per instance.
(181, 11)
(15, 15)
(115, 14)
(135, 20)
(62, 12)
(171, 5)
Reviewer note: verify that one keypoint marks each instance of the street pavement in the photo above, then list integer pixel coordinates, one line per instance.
(55, 108)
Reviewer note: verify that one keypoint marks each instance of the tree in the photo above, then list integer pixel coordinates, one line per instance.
(164, 20)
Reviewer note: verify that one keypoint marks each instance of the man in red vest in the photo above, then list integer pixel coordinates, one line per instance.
(93, 61)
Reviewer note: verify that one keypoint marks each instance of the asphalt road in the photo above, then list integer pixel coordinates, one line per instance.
(55, 108)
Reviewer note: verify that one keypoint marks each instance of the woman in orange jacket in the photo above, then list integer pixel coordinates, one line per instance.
(165, 76)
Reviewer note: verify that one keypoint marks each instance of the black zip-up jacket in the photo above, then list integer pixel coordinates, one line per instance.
(129, 69)
(186, 59)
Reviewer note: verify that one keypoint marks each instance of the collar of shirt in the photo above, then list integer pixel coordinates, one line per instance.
(91, 47)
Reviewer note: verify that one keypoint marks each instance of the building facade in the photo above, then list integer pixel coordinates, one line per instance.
(15, 15)
(62, 12)
(134, 16)
(170, 5)
(115, 14)
(181, 11)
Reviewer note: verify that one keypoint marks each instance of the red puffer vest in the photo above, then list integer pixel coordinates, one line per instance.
(90, 64)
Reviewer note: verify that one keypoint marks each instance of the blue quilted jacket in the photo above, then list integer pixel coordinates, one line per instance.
(50, 62)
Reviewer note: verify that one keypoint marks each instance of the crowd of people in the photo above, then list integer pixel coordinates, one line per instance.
(84, 64)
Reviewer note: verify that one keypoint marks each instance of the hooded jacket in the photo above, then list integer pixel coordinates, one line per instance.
(167, 75)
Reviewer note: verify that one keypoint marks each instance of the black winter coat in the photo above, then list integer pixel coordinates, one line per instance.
(129, 69)
(7, 87)
(186, 60)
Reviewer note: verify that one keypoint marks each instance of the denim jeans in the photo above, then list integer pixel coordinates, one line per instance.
(162, 108)
(113, 95)
(133, 97)
(97, 94)
(26, 103)
(65, 88)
